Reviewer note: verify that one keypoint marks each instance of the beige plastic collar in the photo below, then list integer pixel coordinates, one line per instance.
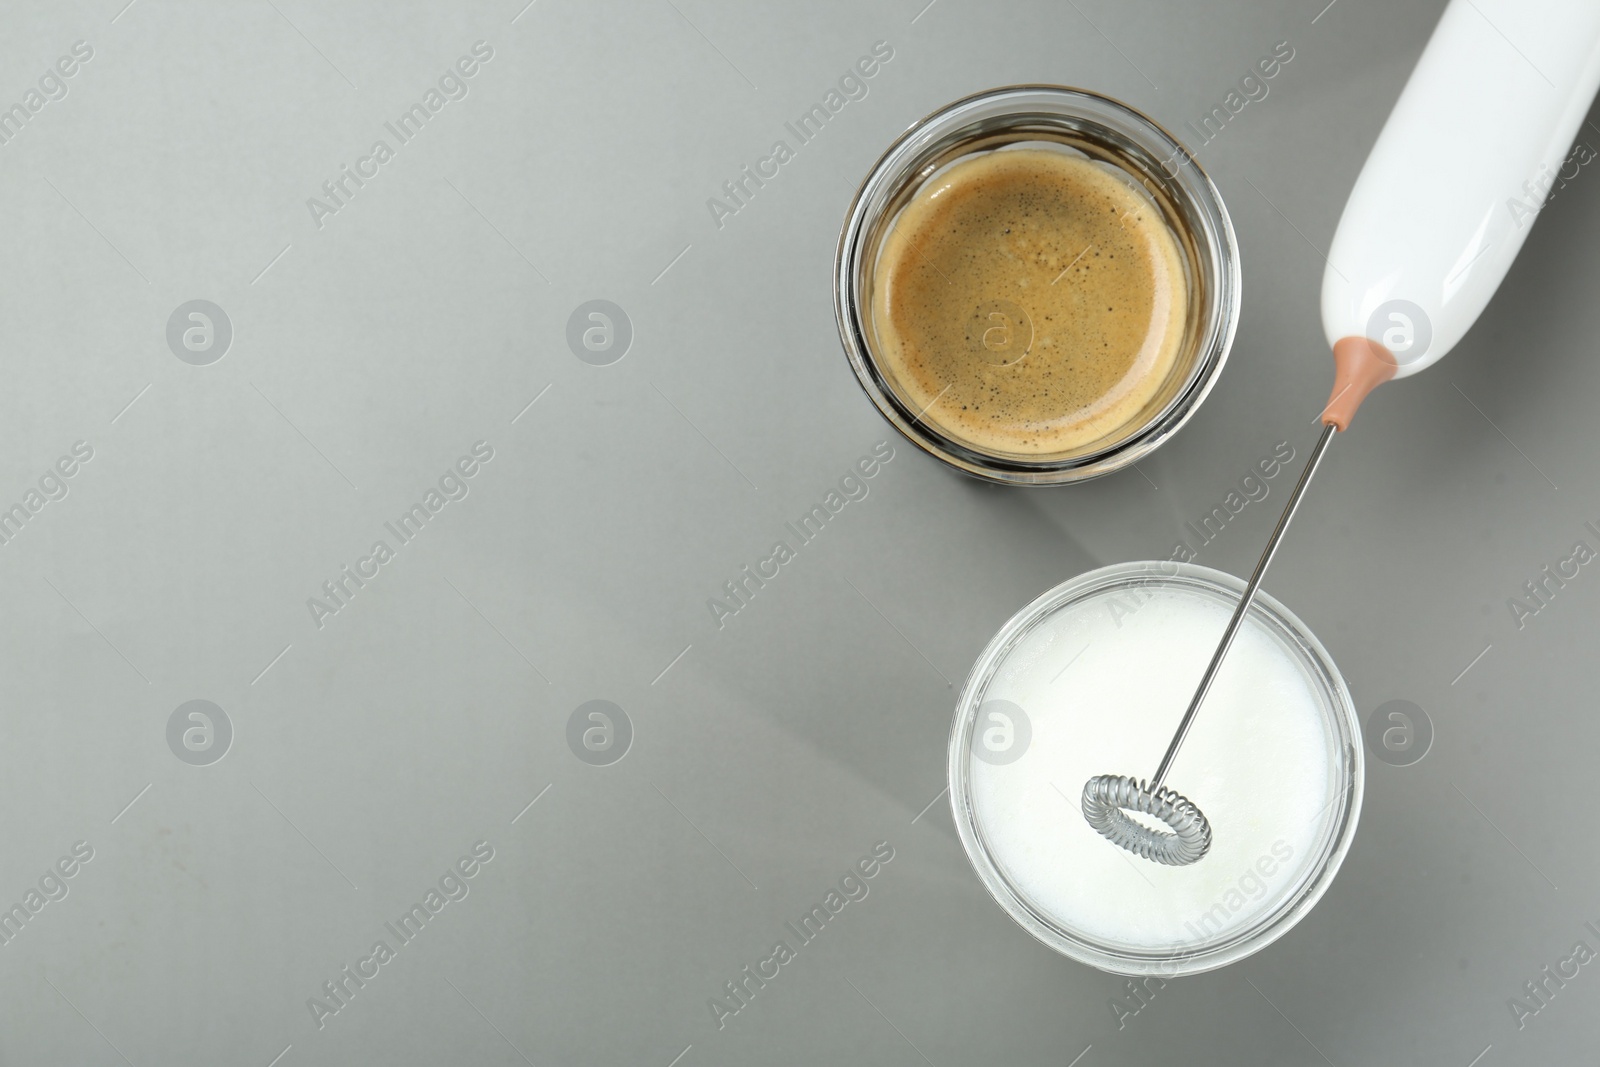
(1359, 366)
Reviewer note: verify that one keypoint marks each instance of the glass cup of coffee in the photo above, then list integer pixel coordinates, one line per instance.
(1037, 285)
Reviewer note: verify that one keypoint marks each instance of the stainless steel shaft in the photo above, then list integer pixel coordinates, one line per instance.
(1244, 605)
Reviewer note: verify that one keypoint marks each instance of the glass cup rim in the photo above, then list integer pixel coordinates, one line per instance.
(1214, 232)
(1254, 937)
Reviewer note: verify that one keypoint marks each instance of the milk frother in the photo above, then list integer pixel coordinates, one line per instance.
(1440, 210)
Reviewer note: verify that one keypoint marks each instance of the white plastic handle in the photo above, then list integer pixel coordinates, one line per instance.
(1481, 135)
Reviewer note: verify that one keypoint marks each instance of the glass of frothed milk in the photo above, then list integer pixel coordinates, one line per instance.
(1037, 285)
(1092, 678)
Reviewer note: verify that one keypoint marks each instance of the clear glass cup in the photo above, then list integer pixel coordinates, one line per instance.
(1287, 902)
(1150, 161)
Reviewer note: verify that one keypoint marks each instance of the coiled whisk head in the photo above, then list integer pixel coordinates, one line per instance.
(1108, 798)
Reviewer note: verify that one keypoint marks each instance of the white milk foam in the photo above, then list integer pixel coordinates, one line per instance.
(1259, 761)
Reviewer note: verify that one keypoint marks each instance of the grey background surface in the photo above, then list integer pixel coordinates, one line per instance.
(371, 352)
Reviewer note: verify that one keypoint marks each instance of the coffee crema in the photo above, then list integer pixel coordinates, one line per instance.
(1029, 302)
